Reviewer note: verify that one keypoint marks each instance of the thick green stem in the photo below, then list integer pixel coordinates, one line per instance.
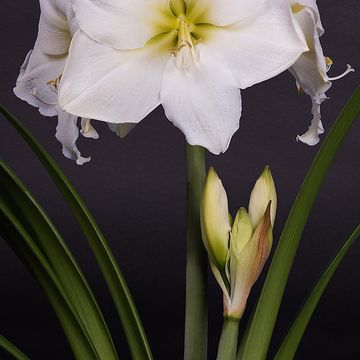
(196, 320)
(228, 340)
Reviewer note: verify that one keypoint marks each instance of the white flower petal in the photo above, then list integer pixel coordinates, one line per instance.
(311, 137)
(125, 24)
(121, 130)
(203, 103)
(87, 130)
(307, 75)
(260, 48)
(67, 133)
(310, 69)
(32, 83)
(312, 7)
(57, 25)
(111, 85)
(224, 12)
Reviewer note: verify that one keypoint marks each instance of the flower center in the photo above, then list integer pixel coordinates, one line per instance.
(185, 51)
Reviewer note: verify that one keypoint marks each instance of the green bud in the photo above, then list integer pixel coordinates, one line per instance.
(263, 192)
(247, 259)
(215, 224)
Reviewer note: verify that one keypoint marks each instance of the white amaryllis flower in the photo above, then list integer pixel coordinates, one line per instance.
(41, 72)
(310, 70)
(190, 56)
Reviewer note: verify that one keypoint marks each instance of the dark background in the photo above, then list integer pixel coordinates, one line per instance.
(135, 189)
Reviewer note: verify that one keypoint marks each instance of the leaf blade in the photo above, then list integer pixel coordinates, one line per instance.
(48, 239)
(134, 331)
(21, 242)
(259, 335)
(292, 340)
(12, 349)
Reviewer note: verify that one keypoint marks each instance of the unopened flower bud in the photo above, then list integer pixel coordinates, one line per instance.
(215, 224)
(263, 192)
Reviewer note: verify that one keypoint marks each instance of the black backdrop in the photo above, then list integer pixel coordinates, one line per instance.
(136, 191)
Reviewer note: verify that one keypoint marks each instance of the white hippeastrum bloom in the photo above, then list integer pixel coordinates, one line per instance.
(41, 72)
(191, 56)
(237, 251)
(310, 70)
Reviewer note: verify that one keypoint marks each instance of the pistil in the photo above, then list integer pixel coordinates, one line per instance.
(186, 52)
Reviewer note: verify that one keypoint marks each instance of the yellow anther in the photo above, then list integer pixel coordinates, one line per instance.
(297, 8)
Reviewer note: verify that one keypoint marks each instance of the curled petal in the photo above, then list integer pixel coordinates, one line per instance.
(312, 7)
(33, 83)
(87, 130)
(311, 137)
(56, 27)
(67, 133)
(203, 102)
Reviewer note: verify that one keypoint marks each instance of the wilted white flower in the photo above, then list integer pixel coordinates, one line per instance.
(190, 56)
(40, 75)
(310, 70)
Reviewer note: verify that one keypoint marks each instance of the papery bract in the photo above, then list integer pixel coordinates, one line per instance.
(190, 56)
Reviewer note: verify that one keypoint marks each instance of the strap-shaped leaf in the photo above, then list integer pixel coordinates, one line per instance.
(256, 344)
(11, 349)
(114, 278)
(26, 249)
(20, 201)
(292, 340)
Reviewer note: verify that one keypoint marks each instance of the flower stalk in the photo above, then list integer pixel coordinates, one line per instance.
(229, 339)
(196, 318)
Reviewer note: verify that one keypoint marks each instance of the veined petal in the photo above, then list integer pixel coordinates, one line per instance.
(204, 102)
(56, 27)
(33, 85)
(115, 86)
(67, 133)
(121, 130)
(261, 47)
(125, 24)
(224, 12)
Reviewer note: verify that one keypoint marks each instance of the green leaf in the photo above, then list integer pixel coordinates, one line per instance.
(26, 249)
(292, 340)
(47, 238)
(12, 349)
(114, 278)
(261, 328)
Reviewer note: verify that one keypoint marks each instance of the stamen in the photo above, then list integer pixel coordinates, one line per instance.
(328, 62)
(297, 8)
(185, 52)
(54, 84)
(347, 71)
